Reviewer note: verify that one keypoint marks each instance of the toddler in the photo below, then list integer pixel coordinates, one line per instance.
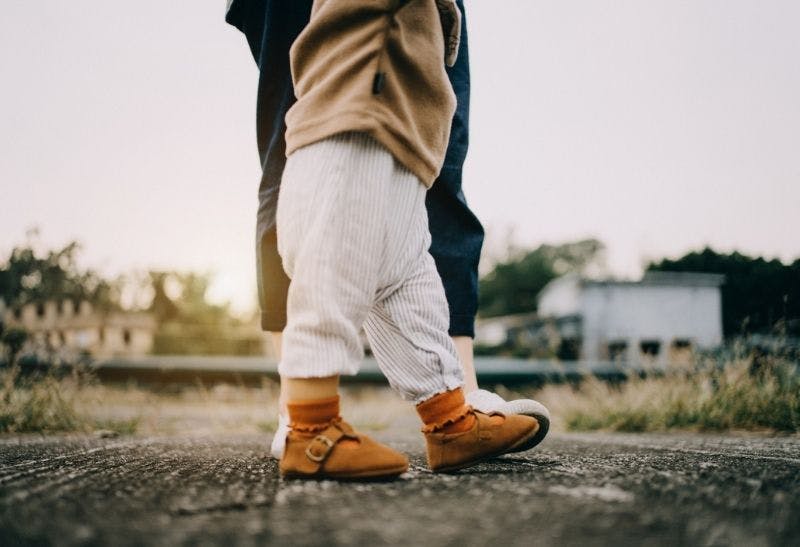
(365, 140)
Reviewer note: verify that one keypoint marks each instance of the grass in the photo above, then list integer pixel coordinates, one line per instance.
(45, 403)
(41, 405)
(733, 397)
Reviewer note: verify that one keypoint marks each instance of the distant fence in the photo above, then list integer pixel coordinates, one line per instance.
(187, 369)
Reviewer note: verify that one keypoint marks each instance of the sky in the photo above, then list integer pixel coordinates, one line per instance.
(658, 127)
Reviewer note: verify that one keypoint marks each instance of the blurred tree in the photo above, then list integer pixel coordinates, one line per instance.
(28, 276)
(188, 303)
(758, 295)
(162, 306)
(190, 325)
(12, 341)
(187, 322)
(513, 285)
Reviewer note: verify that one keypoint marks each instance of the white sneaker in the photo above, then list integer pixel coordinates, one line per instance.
(488, 402)
(279, 440)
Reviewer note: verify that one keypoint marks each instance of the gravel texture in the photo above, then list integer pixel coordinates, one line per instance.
(598, 489)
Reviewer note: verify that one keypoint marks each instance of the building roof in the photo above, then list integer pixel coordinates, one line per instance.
(653, 278)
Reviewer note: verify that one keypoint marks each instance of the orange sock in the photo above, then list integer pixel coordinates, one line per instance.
(446, 413)
(312, 416)
(307, 418)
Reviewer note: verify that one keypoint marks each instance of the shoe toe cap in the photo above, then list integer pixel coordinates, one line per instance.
(523, 424)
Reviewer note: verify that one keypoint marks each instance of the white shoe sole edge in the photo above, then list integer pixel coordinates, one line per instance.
(278, 444)
(535, 409)
(527, 407)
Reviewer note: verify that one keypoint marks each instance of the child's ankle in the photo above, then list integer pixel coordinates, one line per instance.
(446, 413)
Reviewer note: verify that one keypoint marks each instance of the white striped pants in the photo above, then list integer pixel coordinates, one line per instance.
(353, 237)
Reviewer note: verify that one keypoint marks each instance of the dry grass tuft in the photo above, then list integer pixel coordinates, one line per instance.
(37, 405)
(736, 396)
(44, 403)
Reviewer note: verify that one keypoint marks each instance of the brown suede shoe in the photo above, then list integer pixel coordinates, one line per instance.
(338, 452)
(491, 436)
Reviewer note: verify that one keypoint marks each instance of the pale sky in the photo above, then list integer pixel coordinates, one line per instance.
(656, 126)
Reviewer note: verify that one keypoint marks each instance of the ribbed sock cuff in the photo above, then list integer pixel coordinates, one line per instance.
(312, 415)
(443, 410)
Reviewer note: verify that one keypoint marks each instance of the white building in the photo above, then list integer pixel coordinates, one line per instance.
(64, 325)
(661, 319)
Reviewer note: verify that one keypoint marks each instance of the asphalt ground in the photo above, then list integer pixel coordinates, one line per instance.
(592, 489)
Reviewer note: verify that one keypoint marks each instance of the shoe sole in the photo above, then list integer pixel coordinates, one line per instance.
(370, 475)
(535, 409)
(541, 433)
(513, 448)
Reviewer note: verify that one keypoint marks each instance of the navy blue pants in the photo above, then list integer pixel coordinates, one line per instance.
(271, 27)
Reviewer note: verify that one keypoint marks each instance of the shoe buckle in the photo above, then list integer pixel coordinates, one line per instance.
(327, 450)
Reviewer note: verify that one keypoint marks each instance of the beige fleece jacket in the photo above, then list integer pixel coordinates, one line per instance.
(377, 66)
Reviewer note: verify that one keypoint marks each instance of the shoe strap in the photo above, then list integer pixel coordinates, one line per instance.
(321, 446)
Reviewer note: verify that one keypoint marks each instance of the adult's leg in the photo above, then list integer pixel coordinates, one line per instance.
(457, 234)
(270, 28)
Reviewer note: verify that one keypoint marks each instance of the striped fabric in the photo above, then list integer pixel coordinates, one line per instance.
(353, 237)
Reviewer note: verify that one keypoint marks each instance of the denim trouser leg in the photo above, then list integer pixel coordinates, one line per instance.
(271, 27)
(457, 234)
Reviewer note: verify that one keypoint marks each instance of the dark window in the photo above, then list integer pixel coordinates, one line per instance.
(681, 343)
(40, 309)
(569, 349)
(650, 347)
(126, 337)
(617, 350)
(17, 313)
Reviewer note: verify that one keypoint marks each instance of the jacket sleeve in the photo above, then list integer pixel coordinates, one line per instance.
(450, 17)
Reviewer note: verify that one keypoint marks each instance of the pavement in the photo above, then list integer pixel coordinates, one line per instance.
(593, 489)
